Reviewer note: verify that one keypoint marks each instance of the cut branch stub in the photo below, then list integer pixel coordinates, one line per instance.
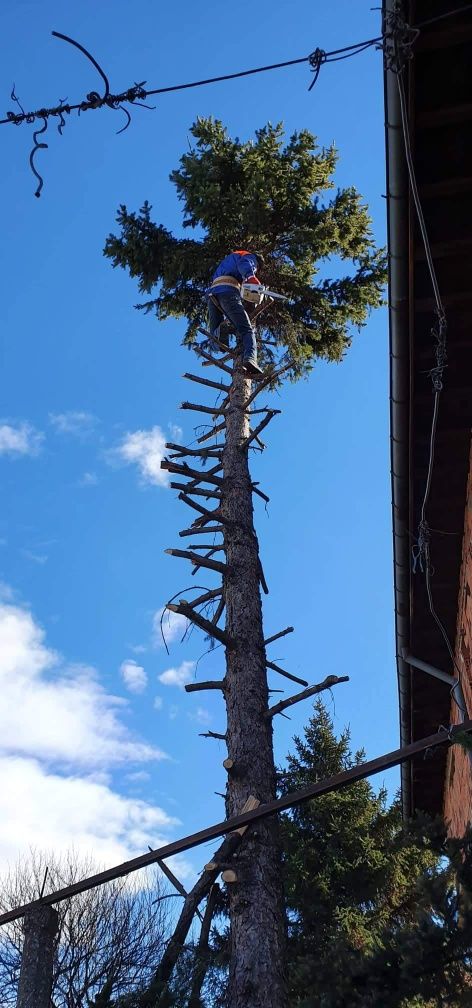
(255, 489)
(263, 580)
(212, 432)
(209, 530)
(213, 734)
(211, 684)
(288, 675)
(207, 381)
(214, 339)
(254, 434)
(198, 560)
(311, 691)
(218, 611)
(197, 491)
(182, 469)
(282, 633)
(212, 450)
(211, 472)
(172, 878)
(209, 515)
(212, 360)
(229, 876)
(212, 410)
(234, 769)
(213, 631)
(266, 381)
(212, 593)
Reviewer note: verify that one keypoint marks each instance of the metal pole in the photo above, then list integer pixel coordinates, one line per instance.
(35, 985)
(455, 684)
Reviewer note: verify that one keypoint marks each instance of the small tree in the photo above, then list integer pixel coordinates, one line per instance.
(109, 940)
(379, 912)
(264, 195)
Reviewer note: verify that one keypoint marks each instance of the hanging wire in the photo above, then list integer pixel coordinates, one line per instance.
(38, 146)
(73, 42)
(134, 95)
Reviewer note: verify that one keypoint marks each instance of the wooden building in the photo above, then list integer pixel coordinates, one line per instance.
(437, 82)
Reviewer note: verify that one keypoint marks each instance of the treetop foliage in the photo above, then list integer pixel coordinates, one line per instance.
(278, 197)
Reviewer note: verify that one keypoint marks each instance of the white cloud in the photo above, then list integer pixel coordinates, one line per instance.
(177, 676)
(63, 812)
(173, 712)
(146, 449)
(174, 626)
(139, 777)
(54, 712)
(39, 558)
(22, 439)
(176, 432)
(158, 703)
(61, 734)
(6, 593)
(202, 716)
(76, 422)
(88, 479)
(134, 676)
(137, 648)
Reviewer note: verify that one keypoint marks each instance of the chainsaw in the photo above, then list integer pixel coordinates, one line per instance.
(257, 292)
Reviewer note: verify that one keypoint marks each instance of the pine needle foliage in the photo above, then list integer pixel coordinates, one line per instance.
(379, 912)
(274, 196)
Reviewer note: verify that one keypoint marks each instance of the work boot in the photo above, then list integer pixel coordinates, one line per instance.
(252, 369)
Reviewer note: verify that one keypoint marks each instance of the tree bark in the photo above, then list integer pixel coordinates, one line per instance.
(257, 921)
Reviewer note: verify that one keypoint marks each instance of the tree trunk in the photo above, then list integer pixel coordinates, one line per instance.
(257, 917)
(257, 974)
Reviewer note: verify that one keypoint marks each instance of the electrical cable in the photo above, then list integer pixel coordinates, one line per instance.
(94, 100)
(351, 50)
(421, 552)
(447, 14)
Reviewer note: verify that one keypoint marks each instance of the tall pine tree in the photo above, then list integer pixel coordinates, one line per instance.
(280, 199)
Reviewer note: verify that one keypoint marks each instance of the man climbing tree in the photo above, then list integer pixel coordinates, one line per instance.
(225, 304)
(261, 195)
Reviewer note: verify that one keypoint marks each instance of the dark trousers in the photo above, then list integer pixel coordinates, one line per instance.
(229, 305)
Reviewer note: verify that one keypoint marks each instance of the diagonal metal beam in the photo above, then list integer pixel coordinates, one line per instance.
(368, 769)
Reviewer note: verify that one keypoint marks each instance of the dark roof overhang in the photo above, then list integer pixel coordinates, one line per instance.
(439, 97)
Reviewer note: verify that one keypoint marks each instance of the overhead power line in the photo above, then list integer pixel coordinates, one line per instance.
(136, 94)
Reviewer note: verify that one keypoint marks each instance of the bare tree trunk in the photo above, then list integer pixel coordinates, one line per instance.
(257, 918)
(257, 978)
(35, 984)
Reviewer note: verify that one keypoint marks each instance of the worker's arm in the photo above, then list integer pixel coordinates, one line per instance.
(246, 266)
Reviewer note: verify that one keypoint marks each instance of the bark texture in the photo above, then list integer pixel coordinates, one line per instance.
(257, 916)
(35, 984)
(257, 977)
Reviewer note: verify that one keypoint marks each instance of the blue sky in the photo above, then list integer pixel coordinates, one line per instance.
(91, 388)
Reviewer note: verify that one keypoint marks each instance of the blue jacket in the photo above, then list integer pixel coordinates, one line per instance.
(240, 265)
